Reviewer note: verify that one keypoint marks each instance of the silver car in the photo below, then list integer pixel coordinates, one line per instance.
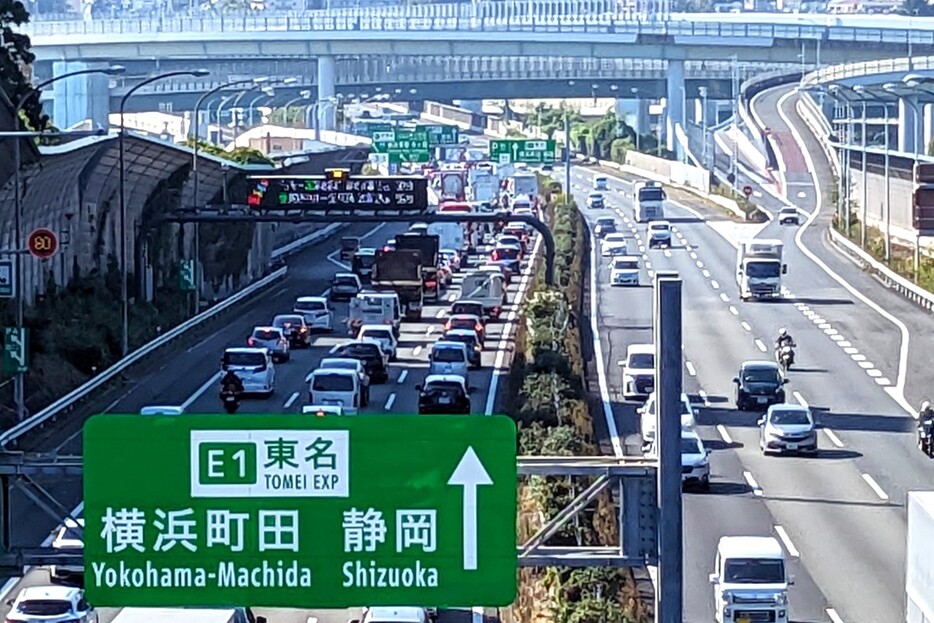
(449, 358)
(788, 428)
(272, 339)
(346, 363)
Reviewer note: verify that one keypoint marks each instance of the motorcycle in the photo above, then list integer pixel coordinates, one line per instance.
(785, 355)
(926, 438)
(231, 400)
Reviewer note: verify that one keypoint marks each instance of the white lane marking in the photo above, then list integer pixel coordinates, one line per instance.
(837, 337)
(645, 257)
(897, 392)
(207, 384)
(651, 274)
(402, 376)
(694, 256)
(690, 367)
(874, 373)
(724, 297)
(745, 325)
(884, 382)
(866, 365)
(832, 436)
(648, 264)
(333, 259)
(818, 320)
(641, 248)
(792, 550)
(703, 396)
(734, 311)
(824, 326)
(441, 313)
(699, 263)
(756, 489)
(831, 332)
(833, 616)
(724, 435)
(452, 297)
(716, 286)
(844, 344)
(390, 401)
(760, 345)
(598, 356)
(706, 273)
(666, 253)
(291, 400)
(849, 350)
(800, 398)
(858, 357)
(417, 350)
(875, 487)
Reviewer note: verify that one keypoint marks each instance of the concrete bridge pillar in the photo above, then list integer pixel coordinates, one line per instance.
(909, 126)
(327, 112)
(82, 97)
(674, 110)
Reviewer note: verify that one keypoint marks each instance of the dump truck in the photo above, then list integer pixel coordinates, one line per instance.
(428, 246)
(759, 268)
(400, 271)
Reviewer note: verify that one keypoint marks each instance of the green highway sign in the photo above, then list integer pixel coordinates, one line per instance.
(295, 511)
(186, 275)
(442, 135)
(530, 151)
(403, 145)
(15, 350)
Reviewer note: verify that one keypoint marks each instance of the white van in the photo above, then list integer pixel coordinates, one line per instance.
(187, 615)
(335, 387)
(449, 357)
(379, 308)
(394, 614)
(649, 421)
(486, 288)
(254, 367)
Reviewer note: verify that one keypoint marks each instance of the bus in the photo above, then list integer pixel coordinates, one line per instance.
(648, 201)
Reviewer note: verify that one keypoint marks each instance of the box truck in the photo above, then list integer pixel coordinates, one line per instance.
(759, 268)
(400, 271)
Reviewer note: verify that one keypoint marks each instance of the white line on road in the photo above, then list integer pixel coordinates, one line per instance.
(211, 381)
(430, 330)
(699, 263)
(824, 326)
(648, 264)
(844, 344)
(884, 382)
(760, 345)
(734, 311)
(874, 373)
(724, 434)
(875, 486)
(849, 350)
(417, 350)
(706, 273)
(441, 313)
(694, 256)
(724, 297)
(716, 286)
(390, 401)
(402, 376)
(833, 616)
(792, 550)
(832, 436)
(831, 332)
(866, 365)
(666, 253)
(291, 400)
(800, 398)
(690, 367)
(837, 337)
(745, 325)
(756, 489)
(858, 357)
(703, 396)
(452, 297)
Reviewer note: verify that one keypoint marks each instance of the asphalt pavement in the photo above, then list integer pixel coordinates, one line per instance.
(838, 514)
(191, 378)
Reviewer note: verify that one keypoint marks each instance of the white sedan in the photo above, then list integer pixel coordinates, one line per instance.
(624, 271)
(613, 245)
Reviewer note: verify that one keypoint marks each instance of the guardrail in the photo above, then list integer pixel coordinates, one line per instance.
(69, 400)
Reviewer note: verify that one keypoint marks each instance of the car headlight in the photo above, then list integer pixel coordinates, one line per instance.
(781, 599)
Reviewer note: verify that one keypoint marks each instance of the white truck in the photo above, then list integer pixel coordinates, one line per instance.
(919, 576)
(750, 580)
(759, 268)
(450, 235)
(483, 188)
(648, 201)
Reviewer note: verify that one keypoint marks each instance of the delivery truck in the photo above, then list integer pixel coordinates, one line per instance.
(919, 574)
(484, 187)
(759, 268)
(648, 201)
(453, 185)
(429, 246)
(450, 235)
(400, 271)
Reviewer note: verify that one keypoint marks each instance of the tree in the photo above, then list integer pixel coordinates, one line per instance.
(15, 57)
(920, 8)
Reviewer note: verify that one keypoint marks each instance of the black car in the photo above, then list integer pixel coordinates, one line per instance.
(469, 339)
(759, 385)
(604, 226)
(369, 354)
(295, 329)
(443, 394)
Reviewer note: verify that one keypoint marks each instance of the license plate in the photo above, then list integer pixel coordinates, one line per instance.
(761, 400)
(792, 446)
(444, 400)
(743, 620)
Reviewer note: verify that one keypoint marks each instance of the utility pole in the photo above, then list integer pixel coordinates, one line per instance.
(734, 127)
(567, 156)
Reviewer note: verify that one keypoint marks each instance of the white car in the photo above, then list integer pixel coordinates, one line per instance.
(599, 183)
(638, 371)
(272, 339)
(382, 334)
(614, 245)
(648, 419)
(254, 367)
(316, 311)
(695, 460)
(322, 410)
(624, 271)
(659, 234)
(68, 540)
(51, 604)
(162, 410)
(596, 201)
(346, 363)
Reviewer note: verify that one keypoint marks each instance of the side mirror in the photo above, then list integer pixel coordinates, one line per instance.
(791, 581)
(418, 388)
(761, 421)
(353, 621)
(471, 390)
(786, 381)
(708, 451)
(784, 269)
(736, 380)
(621, 362)
(714, 578)
(260, 619)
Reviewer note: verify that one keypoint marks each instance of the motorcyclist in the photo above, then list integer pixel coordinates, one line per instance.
(231, 383)
(926, 417)
(784, 339)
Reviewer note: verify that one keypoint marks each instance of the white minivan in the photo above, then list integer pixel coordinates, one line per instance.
(486, 288)
(254, 367)
(375, 308)
(449, 358)
(335, 387)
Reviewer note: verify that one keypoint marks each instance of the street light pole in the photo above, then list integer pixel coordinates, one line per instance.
(703, 94)
(124, 272)
(19, 381)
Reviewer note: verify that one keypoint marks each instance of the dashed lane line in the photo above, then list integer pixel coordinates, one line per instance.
(745, 325)
(390, 401)
(699, 263)
(706, 273)
(724, 297)
(291, 400)
(833, 616)
(402, 377)
(760, 345)
(832, 436)
(800, 399)
(704, 397)
(792, 550)
(751, 481)
(733, 310)
(714, 284)
(690, 368)
(875, 487)
(417, 350)
(724, 435)
(858, 357)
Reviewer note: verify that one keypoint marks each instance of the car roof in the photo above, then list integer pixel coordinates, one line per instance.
(381, 327)
(350, 275)
(161, 410)
(789, 209)
(606, 219)
(687, 433)
(615, 237)
(471, 317)
(445, 378)
(447, 344)
(789, 406)
(368, 340)
(323, 408)
(266, 327)
(341, 371)
(466, 302)
(466, 332)
(311, 299)
(659, 223)
(626, 258)
(506, 245)
(759, 364)
(749, 547)
(277, 316)
(65, 593)
(635, 349)
(246, 350)
(366, 251)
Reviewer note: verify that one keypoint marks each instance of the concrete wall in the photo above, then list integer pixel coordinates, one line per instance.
(900, 191)
(677, 172)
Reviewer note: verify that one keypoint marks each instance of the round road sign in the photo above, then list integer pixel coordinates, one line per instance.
(42, 243)
(747, 190)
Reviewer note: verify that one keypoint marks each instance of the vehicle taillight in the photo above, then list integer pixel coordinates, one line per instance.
(251, 341)
(431, 284)
(495, 255)
(496, 310)
(320, 414)
(282, 341)
(479, 327)
(447, 325)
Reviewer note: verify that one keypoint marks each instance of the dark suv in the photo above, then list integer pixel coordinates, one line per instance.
(369, 354)
(759, 384)
(443, 394)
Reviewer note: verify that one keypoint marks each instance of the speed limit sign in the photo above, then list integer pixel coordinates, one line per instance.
(42, 243)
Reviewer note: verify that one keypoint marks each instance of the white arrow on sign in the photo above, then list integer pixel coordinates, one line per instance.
(470, 474)
(515, 152)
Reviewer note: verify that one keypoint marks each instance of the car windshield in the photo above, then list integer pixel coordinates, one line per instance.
(360, 350)
(377, 334)
(782, 417)
(365, 261)
(754, 571)
(650, 193)
(340, 364)
(45, 607)
(266, 334)
(332, 383)
(507, 253)
(761, 375)
(689, 445)
(443, 388)
(287, 321)
(625, 265)
(606, 222)
(658, 227)
(447, 355)
(616, 238)
(763, 270)
(463, 323)
(642, 360)
(345, 281)
(244, 359)
(467, 308)
(309, 305)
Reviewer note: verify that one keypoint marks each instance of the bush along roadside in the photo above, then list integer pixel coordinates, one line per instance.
(549, 404)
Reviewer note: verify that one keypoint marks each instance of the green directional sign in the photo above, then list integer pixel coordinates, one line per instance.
(442, 135)
(522, 150)
(15, 350)
(300, 512)
(403, 145)
(186, 275)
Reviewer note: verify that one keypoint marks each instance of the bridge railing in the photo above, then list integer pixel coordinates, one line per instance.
(867, 68)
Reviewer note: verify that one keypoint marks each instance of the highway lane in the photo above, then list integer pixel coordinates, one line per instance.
(193, 383)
